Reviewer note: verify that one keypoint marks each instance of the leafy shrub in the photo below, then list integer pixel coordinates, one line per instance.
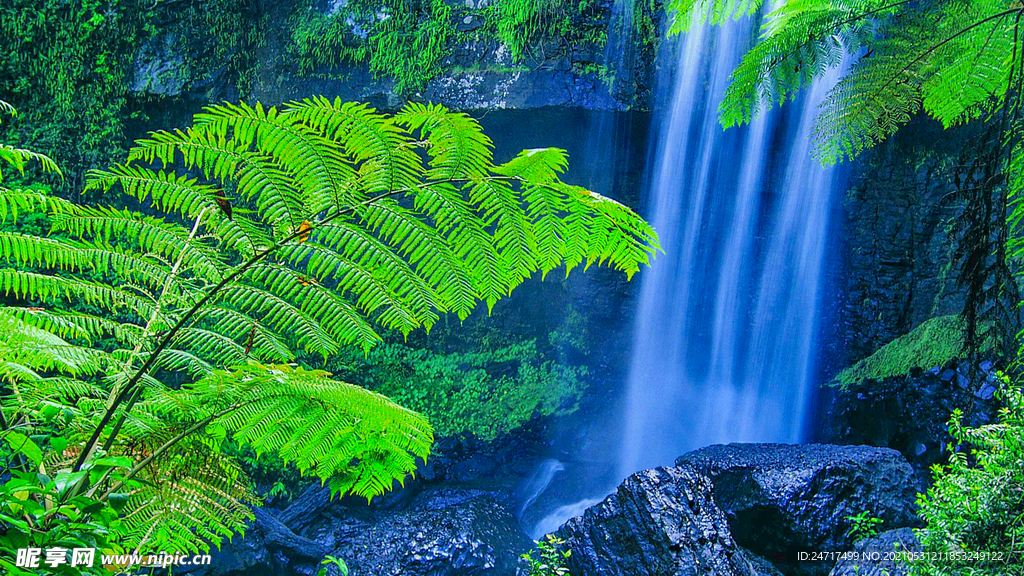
(863, 526)
(552, 561)
(974, 513)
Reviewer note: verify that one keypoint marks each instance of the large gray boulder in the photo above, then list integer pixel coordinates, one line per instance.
(659, 522)
(877, 556)
(781, 499)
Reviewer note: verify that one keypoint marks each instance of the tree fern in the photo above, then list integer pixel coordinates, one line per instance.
(268, 231)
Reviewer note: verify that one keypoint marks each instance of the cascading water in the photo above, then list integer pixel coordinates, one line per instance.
(540, 481)
(724, 345)
(724, 337)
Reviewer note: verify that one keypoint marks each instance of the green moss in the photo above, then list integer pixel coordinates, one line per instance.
(933, 343)
(485, 391)
(68, 67)
(412, 41)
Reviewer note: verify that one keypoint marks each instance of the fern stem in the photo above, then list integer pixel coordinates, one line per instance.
(175, 269)
(167, 446)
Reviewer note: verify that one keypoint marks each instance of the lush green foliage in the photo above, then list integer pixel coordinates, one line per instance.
(973, 512)
(933, 343)
(520, 23)
(66, 65)
(300, 228)
(413, 42)
(69, 66)
(863, 526)
(407, 41)
(486, 392)
(552, 561)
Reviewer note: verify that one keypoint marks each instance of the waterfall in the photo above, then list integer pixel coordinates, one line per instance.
(726, 330)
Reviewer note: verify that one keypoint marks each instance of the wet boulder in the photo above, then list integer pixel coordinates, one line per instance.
(429, 531)
(909, 412)
(659, 522)
(782, 499)
(443, 532)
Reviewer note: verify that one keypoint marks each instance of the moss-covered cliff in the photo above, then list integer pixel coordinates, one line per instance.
(87, 75)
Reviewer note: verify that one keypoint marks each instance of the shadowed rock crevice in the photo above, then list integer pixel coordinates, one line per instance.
(741, 509)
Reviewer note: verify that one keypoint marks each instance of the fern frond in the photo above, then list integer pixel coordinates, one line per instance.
(315, 163)
(13, 201)
(283, 316)
(189, 499)
(52, 288)
(686, 13)
(18, 158)
(458, 147)
(152, 235)
(372, 141)
(956, 62)
(433, 257)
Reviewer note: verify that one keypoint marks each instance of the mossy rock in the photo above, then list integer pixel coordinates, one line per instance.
(933, 343)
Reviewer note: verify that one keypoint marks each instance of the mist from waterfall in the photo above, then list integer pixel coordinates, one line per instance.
(725, 335)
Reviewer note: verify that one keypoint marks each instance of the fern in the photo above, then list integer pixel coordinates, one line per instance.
(687, 12)
(268, 231)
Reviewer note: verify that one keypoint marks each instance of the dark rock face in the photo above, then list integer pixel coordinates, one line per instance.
(896, 241)
(781, 499)
(875, 556)
(761, 566)
(909, 412)
(268, 548)
(660, 522)
(480, 72)
(446, 531)
(438, 531)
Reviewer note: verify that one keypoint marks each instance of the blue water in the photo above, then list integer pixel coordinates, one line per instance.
(725, 341)
(726, 332)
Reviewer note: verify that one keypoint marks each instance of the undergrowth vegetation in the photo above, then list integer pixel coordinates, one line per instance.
(975, 509)
(70, 67)
(485, 393)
